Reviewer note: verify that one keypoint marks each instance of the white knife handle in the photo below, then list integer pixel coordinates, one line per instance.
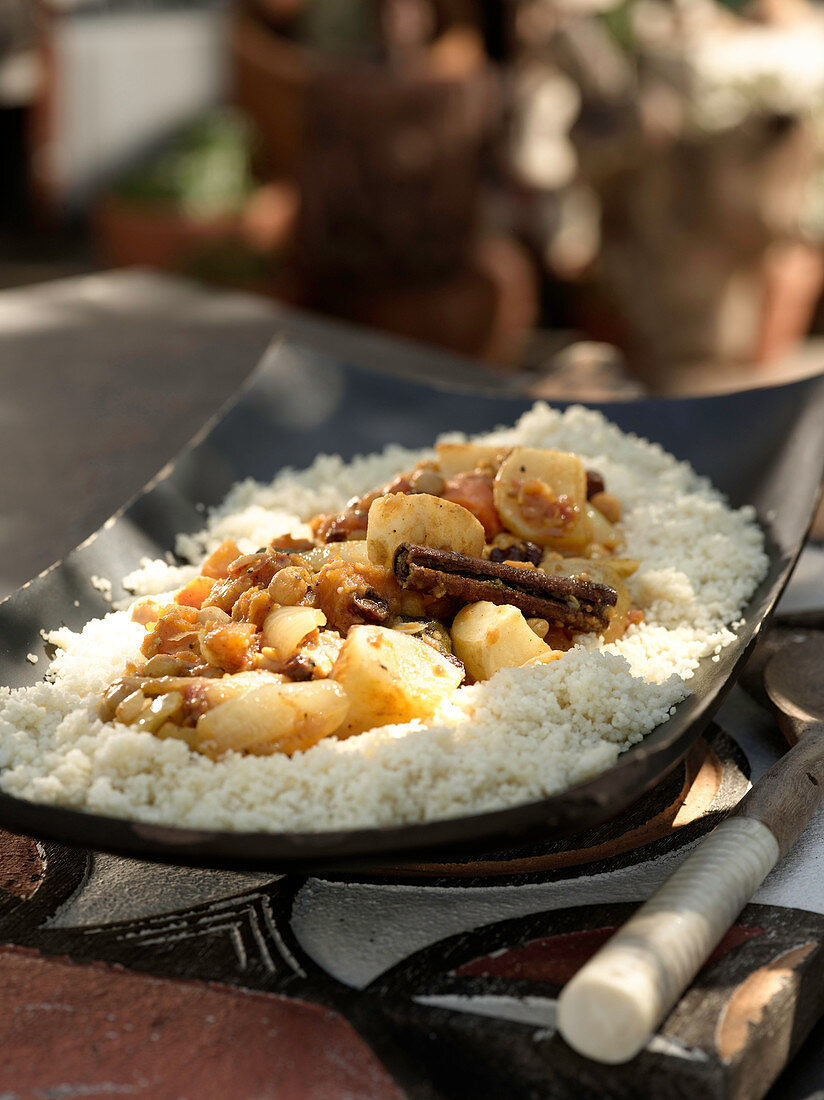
(609, 1009)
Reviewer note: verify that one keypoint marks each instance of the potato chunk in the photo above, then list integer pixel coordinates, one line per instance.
(488, 637)
(422, 519)
(460, 458)
(542, 496)
(274, 718)
(391, 677)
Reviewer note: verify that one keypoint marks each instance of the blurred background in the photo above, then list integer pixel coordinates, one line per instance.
(628, 192)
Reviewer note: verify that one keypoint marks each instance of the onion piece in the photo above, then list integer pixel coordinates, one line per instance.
(284, 628)
(276, 718)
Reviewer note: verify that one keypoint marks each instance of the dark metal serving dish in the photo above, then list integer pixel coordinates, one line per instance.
(759, 446)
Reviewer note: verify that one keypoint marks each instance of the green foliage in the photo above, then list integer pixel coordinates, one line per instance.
(205, 170)
(618, 23)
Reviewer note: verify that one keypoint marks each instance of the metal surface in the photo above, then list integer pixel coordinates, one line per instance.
(794, 682)
(764, 447)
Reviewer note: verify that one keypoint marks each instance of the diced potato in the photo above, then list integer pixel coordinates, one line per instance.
(542, 495)
(459, 458)
(488, 637)
(284, 628)
(275, 718)
(391, 677)
(423, 519)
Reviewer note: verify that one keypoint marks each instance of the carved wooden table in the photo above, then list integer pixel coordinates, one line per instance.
(435, 982)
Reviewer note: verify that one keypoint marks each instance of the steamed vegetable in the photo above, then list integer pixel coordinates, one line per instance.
(391, 677)
(542, 496)
(274, 718)
(424, 520)
(488, 637)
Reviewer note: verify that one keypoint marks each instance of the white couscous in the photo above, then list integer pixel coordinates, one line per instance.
(514, 735)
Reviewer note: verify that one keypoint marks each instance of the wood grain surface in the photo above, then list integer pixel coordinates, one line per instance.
(791, 791)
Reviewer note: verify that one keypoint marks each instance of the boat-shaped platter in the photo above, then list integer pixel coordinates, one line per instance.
(763, 446)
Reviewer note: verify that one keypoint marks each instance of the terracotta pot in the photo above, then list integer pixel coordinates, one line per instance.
(454, 313)
(130, 234)
(486, 310)
(271, 78)
(701, 261)
(387, 157)
(793, 275)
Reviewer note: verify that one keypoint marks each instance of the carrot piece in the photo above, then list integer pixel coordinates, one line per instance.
(195, 592)
(217, 564)
(473, 491)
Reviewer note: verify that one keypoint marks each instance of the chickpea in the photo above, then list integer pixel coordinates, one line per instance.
(289, 586)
